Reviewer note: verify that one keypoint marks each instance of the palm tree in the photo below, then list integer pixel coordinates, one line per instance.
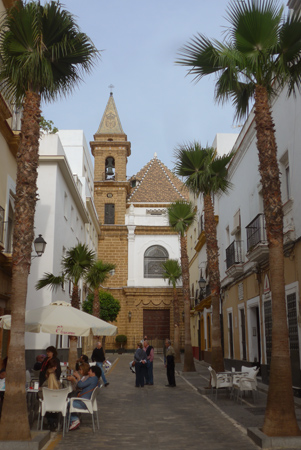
(43, 56)
(97, 275)
(181, 215)
(252, 64)
(173, 272)
(75, 264)
(206, 173)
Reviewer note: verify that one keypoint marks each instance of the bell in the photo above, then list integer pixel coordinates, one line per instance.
(110, 166)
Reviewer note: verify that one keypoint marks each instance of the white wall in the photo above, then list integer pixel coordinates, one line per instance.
(54, 180)
(138, 244)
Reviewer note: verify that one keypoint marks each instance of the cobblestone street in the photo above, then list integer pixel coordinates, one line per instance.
(158, 417)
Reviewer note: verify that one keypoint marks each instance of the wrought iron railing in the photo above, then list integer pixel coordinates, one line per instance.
(256, 233)
(234, 253)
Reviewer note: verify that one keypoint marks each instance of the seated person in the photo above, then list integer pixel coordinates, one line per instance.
(51, 382)
(81, 374)
(87, 388)
(39, 362)
(82, 359)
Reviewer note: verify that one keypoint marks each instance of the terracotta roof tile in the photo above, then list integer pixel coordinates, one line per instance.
(157, 184)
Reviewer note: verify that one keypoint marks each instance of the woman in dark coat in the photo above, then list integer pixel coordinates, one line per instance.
(140, 359)
(51, 356)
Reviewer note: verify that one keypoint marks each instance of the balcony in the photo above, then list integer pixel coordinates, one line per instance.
(257, 244)
(234, 258)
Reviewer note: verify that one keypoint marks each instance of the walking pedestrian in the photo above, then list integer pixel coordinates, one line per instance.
(98, 356)
(170, 364)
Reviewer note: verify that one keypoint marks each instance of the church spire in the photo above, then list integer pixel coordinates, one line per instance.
(110, 122)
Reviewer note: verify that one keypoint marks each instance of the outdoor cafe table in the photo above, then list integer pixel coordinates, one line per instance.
(234, 378)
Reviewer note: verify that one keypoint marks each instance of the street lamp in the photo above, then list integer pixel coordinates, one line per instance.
(202, 286)
(39, 246)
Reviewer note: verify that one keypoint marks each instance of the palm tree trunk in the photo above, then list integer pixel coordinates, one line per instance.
(96, 306)
(188, 355)
(14, 424)
(176, 325)
(214, 281)
(72, 358)
(280, 417)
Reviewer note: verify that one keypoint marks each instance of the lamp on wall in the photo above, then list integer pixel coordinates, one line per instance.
(202, 286)
(183, 316)
(39, 246)
(129, 315)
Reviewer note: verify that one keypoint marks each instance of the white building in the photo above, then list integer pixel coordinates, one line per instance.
(65, 215)
(196, 242)
(244, 252)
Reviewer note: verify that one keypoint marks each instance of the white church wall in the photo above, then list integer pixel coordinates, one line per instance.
(137, 247)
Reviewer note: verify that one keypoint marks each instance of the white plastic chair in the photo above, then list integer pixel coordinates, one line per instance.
(246, 383)
(220, 380)
(54, 400)
(91, 405)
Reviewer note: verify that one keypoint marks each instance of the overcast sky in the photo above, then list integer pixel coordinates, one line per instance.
(158, 105)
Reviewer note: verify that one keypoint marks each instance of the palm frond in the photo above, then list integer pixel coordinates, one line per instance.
(203, 170)
(77, 261)
(172, 271)
(42, 49)
(51, 281)
(261, 47)
(98, 273)
(181, 215)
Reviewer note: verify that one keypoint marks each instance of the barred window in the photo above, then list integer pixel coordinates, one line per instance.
(154, 256)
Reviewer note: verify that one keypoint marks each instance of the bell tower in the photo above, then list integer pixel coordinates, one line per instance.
(110, 149)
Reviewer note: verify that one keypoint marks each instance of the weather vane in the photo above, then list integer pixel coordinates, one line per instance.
(111, 87)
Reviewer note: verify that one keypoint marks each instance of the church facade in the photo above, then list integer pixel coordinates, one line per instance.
(135, 234)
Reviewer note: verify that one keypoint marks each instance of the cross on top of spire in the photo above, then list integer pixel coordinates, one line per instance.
(111, 87)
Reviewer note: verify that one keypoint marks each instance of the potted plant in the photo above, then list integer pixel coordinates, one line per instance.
(121, 338)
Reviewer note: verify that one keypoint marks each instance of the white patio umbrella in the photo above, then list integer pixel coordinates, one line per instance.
(61, 318)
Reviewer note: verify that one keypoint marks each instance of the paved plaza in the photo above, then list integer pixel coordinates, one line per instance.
(160, 418)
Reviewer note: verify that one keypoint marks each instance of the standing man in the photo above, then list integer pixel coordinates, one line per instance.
(149, 350)
(98, 356)
(170, 364)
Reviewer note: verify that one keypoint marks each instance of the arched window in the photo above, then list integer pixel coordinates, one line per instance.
(154, 256)
(110, 168)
